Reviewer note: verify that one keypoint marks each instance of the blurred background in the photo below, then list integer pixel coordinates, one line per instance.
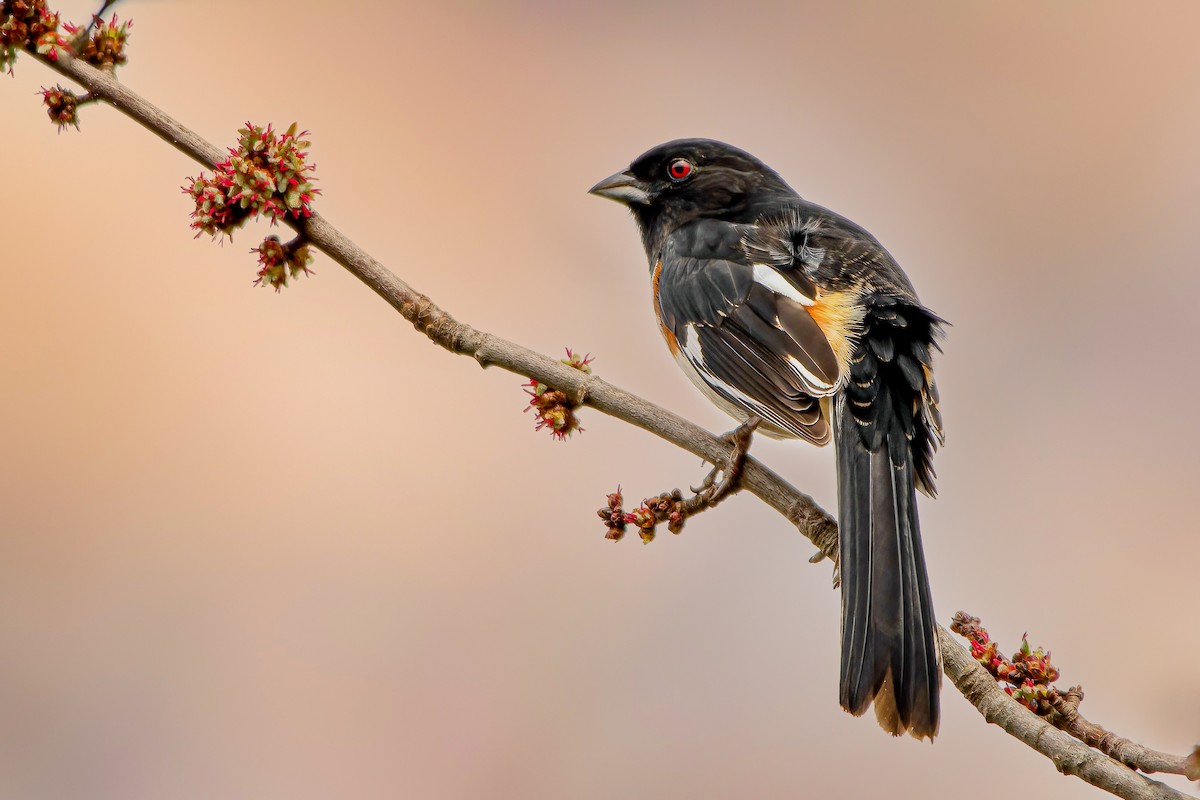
(258, 545)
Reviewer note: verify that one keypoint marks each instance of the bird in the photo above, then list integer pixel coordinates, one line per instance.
(792, 317)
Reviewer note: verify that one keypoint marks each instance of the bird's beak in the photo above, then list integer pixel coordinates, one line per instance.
(624, 187)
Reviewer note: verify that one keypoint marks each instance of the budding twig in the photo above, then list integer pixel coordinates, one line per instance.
(671, 507)
(1030, 676)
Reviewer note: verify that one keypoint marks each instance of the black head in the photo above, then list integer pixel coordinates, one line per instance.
(689, 179)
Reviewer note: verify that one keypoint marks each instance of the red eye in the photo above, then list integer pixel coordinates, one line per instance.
(680, 169)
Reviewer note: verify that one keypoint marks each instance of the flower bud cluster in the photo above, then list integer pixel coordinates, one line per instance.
(105, 48)
(61, 106)
(553, 410)
(667, 507)
(29, 25)
(1029, 673)
(267, 174)
(278, 262)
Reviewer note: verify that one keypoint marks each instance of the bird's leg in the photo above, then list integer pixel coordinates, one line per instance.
(740, 437)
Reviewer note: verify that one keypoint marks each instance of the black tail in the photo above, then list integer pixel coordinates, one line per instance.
(886, 424)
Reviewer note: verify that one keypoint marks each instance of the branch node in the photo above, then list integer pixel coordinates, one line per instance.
(482, 354)
(440, 327)
(580, 395)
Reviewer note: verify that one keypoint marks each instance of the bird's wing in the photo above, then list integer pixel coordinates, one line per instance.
(747, 330)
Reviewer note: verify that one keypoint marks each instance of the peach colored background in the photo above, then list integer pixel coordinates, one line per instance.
(278, 546)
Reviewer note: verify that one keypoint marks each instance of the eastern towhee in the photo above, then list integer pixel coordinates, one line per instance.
(782, 310)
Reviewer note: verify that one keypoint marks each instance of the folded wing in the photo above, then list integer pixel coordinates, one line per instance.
(746, 331)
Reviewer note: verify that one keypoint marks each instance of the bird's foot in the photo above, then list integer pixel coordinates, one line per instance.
(731, 471)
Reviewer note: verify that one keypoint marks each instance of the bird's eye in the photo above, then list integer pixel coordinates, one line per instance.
(680, 169)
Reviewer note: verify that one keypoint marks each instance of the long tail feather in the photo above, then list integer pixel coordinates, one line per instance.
(889, 646)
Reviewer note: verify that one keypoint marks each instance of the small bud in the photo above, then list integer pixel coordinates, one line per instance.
(581, 363)
(614, 517)
(615, 500)
(106, 46)
(51, 44)
(645, 521)
(60, 106)
(641, 516)
(279, 262)
(554, 410)
(966, 626)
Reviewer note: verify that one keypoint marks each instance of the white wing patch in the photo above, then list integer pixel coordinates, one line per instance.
(815, 385)
(770, 278)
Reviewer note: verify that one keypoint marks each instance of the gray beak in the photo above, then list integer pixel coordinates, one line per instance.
(623, 187)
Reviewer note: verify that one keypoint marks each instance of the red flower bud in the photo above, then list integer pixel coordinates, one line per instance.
(555, 411)
(266, 174)
(279, 262)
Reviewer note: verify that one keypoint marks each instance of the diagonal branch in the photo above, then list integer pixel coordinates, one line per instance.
(1069, 755)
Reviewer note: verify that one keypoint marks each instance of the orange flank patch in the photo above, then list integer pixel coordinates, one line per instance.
(667, 333)
(839, 315)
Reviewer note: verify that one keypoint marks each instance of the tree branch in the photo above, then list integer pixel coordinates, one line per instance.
(1069, 755)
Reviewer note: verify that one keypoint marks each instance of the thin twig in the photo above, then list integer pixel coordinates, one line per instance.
(1129, 753)
(1068, 754)
(671, 507)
